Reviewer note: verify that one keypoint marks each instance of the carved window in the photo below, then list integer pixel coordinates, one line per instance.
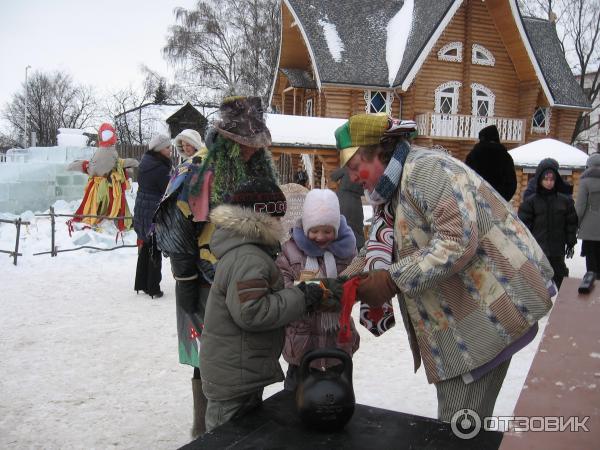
(483, 100)
(482, 56)
(540, 122)
(309, 107)
(446, 97)
(378, 102)
(451, 52)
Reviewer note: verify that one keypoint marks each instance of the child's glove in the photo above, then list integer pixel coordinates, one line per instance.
(376, 287)
(570, 251)
(322, 295)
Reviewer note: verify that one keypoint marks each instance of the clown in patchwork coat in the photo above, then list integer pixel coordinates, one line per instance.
(104, 194)
(236, 150)
(470, 279)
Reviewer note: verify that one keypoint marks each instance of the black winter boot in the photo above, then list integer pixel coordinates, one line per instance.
(199, 426)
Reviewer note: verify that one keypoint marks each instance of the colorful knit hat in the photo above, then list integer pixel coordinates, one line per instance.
(369, 129)
(242, 121)
(261, 196)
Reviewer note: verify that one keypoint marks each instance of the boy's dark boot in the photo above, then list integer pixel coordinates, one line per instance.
(199, 426)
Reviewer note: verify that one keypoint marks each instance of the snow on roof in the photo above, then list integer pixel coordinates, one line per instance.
(398, 30)
(334, 43)
(529, 155)
(302, 130)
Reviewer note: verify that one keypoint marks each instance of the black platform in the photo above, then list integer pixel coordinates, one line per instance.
(275, 425)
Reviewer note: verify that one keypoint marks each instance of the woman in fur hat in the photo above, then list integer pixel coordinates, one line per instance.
(321, 246)
(237, 150)
(153, 176)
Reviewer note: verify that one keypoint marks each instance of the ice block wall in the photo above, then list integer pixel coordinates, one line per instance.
(34, 178)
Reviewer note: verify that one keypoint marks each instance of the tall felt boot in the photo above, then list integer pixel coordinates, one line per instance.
(199, 426)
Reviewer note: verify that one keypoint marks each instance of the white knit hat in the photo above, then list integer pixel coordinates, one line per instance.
(321, 207)
(158, 142)
(191, 137)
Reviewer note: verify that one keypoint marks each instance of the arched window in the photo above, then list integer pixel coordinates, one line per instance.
(446, 97)
(482, 56)
(451, 52)
(378, 101)
(483, 100)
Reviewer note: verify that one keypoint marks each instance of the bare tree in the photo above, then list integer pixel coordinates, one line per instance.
(54, 101)
(578, 28)
(225, 47)
(125, 106)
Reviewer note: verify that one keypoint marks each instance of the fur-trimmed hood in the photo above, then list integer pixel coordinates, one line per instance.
(238, 226)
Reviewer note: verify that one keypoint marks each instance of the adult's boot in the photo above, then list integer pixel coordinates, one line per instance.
(199, 426)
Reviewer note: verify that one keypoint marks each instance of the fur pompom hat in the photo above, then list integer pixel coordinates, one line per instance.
(191, 137)
(321, 207)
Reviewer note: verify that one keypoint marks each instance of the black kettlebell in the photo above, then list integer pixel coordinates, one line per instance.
(325, 399)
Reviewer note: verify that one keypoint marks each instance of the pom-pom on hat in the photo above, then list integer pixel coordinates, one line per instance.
(261, 196)
(106, 135)
(242, 121)
(321, 207)
(158, 142)
(369, 129)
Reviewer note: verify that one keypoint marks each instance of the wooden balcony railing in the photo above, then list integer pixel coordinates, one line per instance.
(460, 126)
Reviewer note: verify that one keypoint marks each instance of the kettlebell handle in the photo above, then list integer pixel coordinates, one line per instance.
(329, 352)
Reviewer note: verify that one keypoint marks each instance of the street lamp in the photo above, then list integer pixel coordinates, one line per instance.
(26, 140)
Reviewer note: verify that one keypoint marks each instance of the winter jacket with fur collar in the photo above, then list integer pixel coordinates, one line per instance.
(248, 306)
(470, 274)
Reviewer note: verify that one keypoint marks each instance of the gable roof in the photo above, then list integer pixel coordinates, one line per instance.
(561, 82)
(347, 42)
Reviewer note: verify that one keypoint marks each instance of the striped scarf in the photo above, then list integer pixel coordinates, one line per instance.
(390, 180)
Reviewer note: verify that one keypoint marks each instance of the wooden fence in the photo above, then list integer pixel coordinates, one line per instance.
(17, 222)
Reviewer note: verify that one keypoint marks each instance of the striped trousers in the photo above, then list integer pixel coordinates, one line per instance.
(480, 395)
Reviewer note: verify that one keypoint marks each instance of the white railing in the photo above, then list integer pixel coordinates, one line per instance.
(460, 126)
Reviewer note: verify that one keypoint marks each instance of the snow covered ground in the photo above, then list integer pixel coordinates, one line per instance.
(85, 362)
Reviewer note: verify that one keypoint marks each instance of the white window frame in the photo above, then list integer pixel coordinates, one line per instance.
(443, 52)
(488, 59)
(368, 96)
(309, 107)
(439, 94)
(489, 96)
(535, 128)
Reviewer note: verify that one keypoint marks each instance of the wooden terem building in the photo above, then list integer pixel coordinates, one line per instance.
(453, 66)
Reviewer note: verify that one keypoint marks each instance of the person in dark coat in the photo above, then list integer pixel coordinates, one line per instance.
(490, 159)
(561, 185)
(349, 195)
(587, 206)
(552, 219)
(153, 177)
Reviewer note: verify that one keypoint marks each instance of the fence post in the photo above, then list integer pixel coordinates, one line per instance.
(53, 228)
(18, 224)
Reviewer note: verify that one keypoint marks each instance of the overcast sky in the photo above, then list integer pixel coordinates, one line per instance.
(99, 43)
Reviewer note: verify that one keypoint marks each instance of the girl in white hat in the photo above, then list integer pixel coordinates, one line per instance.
(321, 246)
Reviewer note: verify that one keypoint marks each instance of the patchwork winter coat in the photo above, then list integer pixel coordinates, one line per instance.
(248, 306)
(472, 278)
(153, 177)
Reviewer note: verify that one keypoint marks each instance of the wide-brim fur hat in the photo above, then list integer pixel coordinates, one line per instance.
(242, 121)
